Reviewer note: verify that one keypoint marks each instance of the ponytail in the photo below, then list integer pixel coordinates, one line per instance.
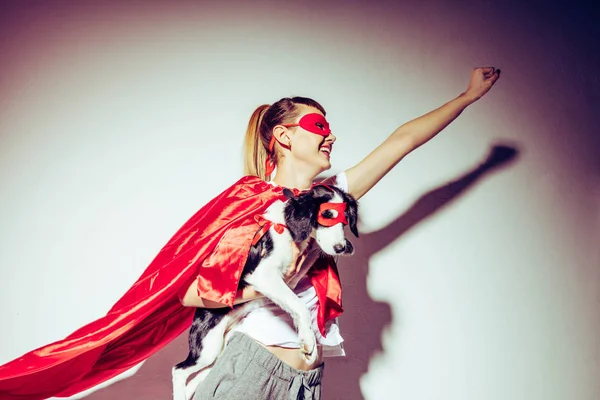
(255, 153)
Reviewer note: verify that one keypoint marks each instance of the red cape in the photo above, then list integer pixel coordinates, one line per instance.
(213, 246)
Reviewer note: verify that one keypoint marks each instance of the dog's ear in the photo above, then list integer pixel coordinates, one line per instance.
(300, 217)
(349, 249)
(351, 212)
(288, 193)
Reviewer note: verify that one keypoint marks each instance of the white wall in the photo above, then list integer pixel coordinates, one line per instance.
(117, 122)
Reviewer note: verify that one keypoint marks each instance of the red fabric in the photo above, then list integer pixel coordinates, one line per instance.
(315, 123)
(212, 246)
(265, 225)
(340, 208)
(269, 163)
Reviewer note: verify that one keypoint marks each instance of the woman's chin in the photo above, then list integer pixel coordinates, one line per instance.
(320, 165)
(325, 162)
(325, 166)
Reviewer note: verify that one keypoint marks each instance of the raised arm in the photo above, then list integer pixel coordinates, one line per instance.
(411, 135)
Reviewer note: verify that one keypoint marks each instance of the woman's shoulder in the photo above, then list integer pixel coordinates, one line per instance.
(244, 187)
(253, 183)
(250, 181)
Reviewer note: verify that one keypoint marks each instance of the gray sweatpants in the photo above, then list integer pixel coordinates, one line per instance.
(247, 371)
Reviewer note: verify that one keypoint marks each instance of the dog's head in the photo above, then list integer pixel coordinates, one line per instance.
(325, 210)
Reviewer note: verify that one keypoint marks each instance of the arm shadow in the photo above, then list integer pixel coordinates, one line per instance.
(364, 319)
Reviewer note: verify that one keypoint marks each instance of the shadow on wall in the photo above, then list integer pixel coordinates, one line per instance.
(363, 321)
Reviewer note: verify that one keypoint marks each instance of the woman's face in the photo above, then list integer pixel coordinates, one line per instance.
(309, 148)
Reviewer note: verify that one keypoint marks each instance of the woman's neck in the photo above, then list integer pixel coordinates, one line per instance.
(293, 178)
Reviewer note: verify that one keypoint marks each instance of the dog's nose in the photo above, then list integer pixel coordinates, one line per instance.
(338, 248)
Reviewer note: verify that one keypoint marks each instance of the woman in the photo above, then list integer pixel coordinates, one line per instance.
(200, 265)
(292, 135)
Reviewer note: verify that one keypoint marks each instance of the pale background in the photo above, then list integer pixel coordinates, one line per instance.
(118, 120)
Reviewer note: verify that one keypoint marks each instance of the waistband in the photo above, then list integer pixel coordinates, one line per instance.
(273, 365)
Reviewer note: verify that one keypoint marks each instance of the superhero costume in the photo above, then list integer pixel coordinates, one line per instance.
(212, 246)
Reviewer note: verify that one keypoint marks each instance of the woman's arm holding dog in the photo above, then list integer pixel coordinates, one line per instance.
(190, 297)
(413, 134)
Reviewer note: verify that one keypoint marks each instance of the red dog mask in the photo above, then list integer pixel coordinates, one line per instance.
(340, 217)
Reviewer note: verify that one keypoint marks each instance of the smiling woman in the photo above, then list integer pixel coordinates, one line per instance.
(119, 120)
(293, 139)
(288, 144)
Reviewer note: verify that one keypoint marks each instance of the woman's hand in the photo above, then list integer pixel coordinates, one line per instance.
(482, 80)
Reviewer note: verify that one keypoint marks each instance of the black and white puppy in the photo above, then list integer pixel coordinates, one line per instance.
(321, 213)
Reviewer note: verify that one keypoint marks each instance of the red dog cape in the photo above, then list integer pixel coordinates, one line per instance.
(212, 246)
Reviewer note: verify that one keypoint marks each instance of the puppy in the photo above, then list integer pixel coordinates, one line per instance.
(322, 212)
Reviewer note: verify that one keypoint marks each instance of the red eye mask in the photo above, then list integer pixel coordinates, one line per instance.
(315, 123)
(341, 214)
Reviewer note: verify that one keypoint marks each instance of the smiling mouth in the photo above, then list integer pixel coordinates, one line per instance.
(326, 151)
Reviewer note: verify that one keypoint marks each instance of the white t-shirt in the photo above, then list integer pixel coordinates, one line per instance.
(272, 326)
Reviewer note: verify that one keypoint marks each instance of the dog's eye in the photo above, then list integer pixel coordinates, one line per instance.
(329, 214)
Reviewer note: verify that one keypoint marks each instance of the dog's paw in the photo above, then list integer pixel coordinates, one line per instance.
(308, 347)
(309, 357)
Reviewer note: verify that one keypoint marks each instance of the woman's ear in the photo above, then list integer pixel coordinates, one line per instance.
(282, 135)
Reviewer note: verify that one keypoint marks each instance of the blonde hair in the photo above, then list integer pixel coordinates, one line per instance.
(260, 131)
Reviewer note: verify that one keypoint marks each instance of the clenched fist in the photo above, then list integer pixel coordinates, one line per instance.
(482, 80)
